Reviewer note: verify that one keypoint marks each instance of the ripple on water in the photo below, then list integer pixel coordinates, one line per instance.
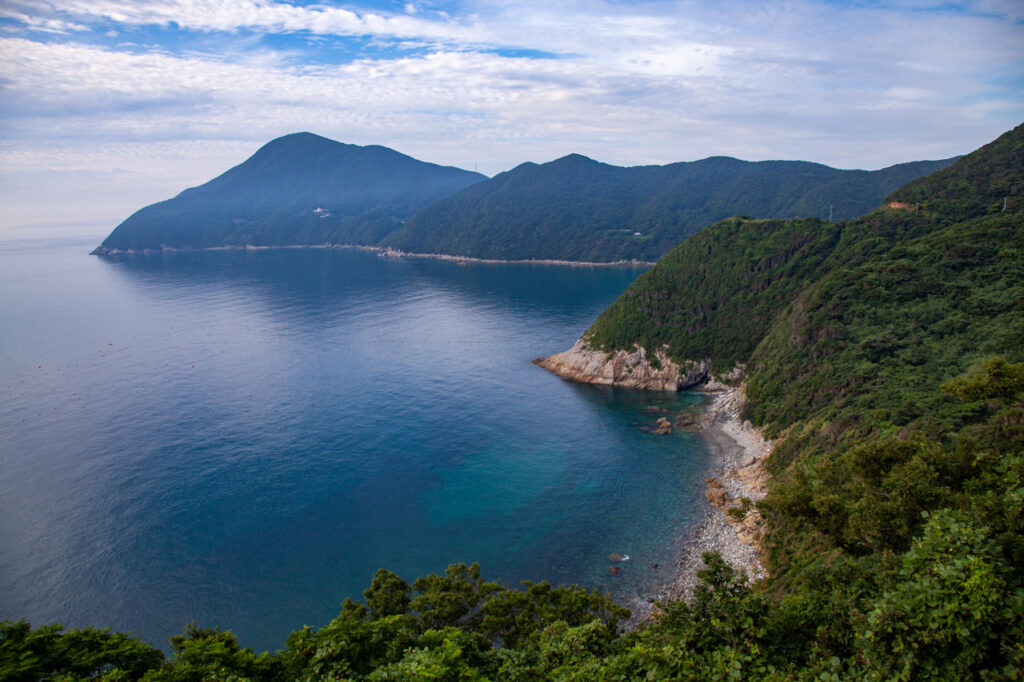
(262, 431)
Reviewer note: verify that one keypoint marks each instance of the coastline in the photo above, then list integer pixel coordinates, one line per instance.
(738, 453)
(735, 471)
(384, 252)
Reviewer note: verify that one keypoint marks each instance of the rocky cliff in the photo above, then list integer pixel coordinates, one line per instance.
(628, 369)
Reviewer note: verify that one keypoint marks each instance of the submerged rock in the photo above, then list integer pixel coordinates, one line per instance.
(664, 427)
(614, 570)
(686, 419)
(618, 557)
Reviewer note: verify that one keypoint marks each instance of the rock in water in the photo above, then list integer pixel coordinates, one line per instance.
(617, 557)
(685, 419)
(664, 427)
(614, 570)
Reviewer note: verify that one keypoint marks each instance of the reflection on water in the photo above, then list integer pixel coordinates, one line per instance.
(243, 438)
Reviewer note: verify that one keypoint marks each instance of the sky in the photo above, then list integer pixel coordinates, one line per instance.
(109, 105)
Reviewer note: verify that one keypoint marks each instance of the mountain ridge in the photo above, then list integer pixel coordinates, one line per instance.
(306, 190)
(299, 189)
(578, 209)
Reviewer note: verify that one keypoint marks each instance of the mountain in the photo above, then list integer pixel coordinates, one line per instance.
(987, 182)
(297, 189)
(303, 189)
(579, 209)
(716, 295)
(885, 357)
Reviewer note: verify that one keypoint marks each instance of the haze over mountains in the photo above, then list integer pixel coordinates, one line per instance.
(303, 189)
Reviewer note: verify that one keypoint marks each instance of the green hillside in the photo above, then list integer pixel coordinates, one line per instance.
(576, 208)
(297, 189)
(885, 356)
(303, 189)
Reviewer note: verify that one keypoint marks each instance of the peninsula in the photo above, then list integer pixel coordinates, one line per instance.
(306, 190)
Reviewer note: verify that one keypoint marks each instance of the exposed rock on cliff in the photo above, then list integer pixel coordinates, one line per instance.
(632, 370)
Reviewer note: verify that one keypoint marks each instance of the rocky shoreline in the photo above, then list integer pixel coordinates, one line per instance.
(629, 369)
(738, 451)
(736, 471)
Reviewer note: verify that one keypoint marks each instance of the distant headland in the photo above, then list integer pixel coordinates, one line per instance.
(307, 190)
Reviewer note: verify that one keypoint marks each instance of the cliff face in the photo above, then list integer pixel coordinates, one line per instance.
(631, 370)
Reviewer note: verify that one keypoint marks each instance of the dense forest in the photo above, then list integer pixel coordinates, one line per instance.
(578, 209)
(303, 189)
(885, 355)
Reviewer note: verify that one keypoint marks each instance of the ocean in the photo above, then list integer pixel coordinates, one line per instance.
(241, 438)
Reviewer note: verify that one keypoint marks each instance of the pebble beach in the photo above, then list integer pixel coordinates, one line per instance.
(736, 472)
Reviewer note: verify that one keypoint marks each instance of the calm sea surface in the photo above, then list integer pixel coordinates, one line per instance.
(242, 438)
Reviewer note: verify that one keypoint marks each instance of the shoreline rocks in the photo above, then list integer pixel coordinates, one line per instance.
(664, 427)
(626, 369)
(736, 478)
(384, 252)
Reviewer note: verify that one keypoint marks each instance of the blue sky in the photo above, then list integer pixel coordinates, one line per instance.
(108, 105)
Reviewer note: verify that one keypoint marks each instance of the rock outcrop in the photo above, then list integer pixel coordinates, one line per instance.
(628, 369)
(664, 427)
(716, 493)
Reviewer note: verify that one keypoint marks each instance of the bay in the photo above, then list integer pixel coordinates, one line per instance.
(242, 438)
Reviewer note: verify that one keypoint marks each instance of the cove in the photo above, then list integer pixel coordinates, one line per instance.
(242, 438)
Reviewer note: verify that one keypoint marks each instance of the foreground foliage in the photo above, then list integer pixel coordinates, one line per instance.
(885, 355)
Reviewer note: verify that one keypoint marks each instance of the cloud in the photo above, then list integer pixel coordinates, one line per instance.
(258, 15)
(503, 82)
(45, 25)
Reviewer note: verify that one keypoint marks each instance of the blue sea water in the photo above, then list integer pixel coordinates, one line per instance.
(242, 438)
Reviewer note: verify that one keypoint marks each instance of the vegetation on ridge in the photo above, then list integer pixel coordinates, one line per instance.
(886, 357)
(303, 189)
(888, 361)
(741, 270)
(576, 208)
(297, 189)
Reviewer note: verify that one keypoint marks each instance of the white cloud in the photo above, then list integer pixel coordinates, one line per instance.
(261, 15)
(45, 25)
(638, 83)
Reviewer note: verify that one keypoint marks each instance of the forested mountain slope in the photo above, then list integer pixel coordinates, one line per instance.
(303, 189)
(576, 208)
(887, 356)
(298, 189)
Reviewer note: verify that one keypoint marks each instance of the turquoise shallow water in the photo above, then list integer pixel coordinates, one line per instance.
(243, 438)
